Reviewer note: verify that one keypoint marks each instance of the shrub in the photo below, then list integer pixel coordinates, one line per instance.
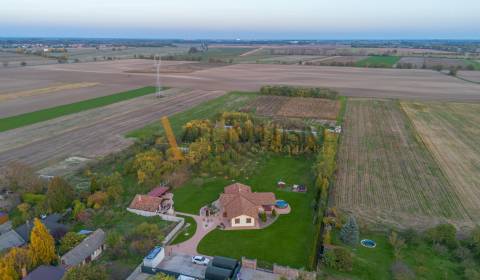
(401, 271)
(274, 213)
(69, 241)
(86, 272)
(97, 200)
(299, 92)
(462, 253)
(339, 258)
(33, 199)
(263, 216)
(411, 237)
(349, 233)
(443, 234)
(472, 274)
(440, 249)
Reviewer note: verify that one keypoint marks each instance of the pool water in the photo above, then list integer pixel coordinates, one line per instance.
(368, 243)
(281, 204)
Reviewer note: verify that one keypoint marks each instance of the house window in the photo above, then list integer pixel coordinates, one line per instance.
(249, 220)
(237, 220)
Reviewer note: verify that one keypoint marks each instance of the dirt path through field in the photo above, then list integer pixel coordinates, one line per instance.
(93, 133)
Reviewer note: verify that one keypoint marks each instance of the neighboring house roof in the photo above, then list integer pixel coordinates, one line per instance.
(146, 203)
(46, 272)
(238, 199)
(50, 222)
(10, 239)
(158, 191)
(85, 249)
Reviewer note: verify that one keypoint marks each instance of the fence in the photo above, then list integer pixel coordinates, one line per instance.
(179, 220)
(288, 272)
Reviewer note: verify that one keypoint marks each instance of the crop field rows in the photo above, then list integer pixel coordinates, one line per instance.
(295, 107)
(386, 173)
(451, 131)
(93, 133)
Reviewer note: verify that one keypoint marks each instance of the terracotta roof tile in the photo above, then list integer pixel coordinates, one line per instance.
(146, 203)
(238, 199)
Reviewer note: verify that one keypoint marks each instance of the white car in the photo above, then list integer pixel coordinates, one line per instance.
(200, 260)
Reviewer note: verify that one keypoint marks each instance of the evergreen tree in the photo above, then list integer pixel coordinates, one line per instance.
(349, 233)
(42, 245)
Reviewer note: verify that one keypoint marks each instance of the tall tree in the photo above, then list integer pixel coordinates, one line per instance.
(59, 194)
(42, 244)
(349, 233)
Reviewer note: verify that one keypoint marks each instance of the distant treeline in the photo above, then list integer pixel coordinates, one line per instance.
(299, 92)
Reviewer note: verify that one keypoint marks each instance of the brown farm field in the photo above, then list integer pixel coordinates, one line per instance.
(386, 175)
(451, 131)
(295, 107)
(117, 76)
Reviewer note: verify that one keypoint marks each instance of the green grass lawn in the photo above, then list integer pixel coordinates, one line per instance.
(55, 112)
(475, 63)
(214, 53)
(207, 109)
(288, 240)
(375, 263)
(378, 61)
(187, 232)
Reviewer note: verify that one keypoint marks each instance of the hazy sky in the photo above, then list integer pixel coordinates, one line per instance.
(246, 19)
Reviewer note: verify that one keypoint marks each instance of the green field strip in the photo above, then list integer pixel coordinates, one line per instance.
(21, 120)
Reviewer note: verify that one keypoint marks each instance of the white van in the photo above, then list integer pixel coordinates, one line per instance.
(183, 277)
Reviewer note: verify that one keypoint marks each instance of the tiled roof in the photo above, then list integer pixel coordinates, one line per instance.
(238, 199)
(146, 203)
(46, 272)
(86, 248)
(158, 191)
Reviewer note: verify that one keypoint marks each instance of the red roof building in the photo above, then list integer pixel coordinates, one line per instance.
(158, 191)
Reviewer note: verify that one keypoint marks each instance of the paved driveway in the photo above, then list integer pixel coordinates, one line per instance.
(204, 226)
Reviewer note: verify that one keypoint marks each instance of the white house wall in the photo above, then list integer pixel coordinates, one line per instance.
(243, 221)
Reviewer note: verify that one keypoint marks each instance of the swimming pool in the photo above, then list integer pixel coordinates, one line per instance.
(281, 204)
(368, 243)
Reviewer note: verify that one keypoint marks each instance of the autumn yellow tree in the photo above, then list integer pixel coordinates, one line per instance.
(42, 245)
(7, 269)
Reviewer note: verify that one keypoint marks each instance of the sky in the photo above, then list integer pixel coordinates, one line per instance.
(242, 19)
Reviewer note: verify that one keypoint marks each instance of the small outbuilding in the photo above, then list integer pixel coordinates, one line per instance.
(88, 250)
(158, 191)
(222, 268)
(46, 272)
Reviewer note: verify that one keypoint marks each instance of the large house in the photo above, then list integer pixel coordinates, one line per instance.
(241, 207)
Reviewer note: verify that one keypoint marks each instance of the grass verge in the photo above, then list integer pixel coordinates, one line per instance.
(187, 232)
(67, 109)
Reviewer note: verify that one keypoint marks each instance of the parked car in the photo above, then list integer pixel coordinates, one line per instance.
(200, 260)
(183, 277)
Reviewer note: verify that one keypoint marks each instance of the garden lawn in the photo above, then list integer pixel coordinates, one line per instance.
(289, 239)
(375, 263)
(378, 61)
(187, 232)
(58, 111)
(208, 109)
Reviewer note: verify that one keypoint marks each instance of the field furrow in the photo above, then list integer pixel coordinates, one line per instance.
(386, 174)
